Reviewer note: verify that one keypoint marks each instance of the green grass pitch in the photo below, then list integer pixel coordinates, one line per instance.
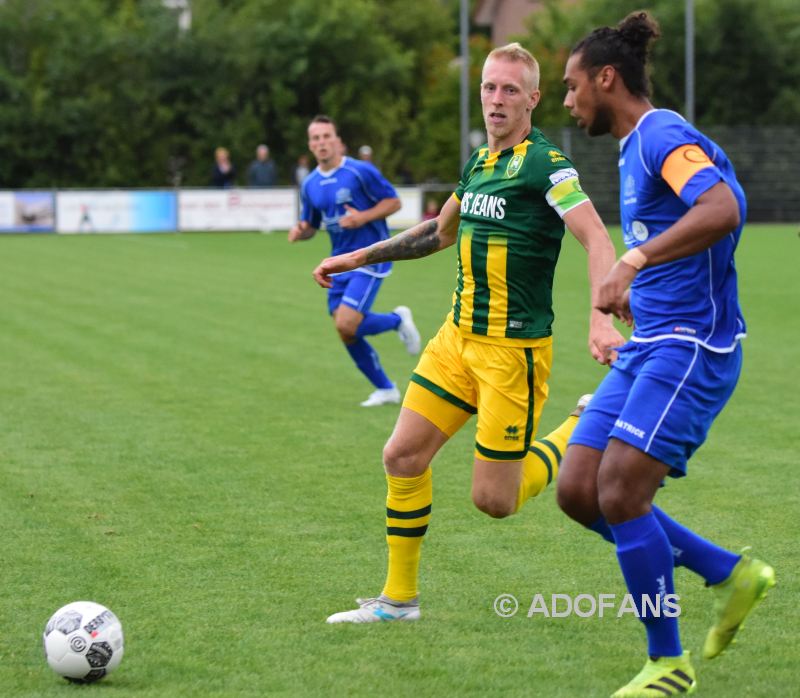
(180, 439)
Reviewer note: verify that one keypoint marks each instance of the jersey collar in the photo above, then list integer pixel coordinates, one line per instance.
(328, 173)
(526, 137)
(624, 139)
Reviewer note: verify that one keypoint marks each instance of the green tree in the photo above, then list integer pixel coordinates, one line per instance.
(111, 92)
(747, 56)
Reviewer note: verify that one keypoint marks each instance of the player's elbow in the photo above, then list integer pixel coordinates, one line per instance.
(448, 232)
(724, 215)
(731, 218)
(394, 206)
(724, 220)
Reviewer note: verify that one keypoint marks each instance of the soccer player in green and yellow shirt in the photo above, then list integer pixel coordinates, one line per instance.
(492, 356)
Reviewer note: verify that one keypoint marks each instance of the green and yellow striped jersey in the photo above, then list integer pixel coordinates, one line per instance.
(510, 237)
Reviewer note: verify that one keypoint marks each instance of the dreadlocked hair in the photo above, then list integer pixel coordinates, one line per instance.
(626, 47)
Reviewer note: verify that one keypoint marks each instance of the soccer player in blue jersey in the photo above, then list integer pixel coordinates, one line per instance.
(352, 199)
(682, 212)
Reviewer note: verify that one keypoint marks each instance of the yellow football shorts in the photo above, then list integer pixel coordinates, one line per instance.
(506, 386)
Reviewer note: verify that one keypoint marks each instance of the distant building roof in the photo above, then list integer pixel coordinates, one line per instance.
(505, 17)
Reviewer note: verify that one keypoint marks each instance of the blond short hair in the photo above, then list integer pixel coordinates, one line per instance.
(516, 53)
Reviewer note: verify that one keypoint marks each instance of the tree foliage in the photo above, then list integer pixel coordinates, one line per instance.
(112, 93)
(747, 56)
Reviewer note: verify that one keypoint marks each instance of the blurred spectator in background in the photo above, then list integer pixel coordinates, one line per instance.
(262, 171)
(223, 174)
(431, 209)
(365, 153)
(301, 170)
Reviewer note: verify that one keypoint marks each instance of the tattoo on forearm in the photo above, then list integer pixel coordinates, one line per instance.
(419, 241)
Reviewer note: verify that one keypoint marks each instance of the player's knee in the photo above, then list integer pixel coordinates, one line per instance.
(401, 460)
(618, 505)
(346, 336)
(347, 331)
(495, 505)
(574, 498)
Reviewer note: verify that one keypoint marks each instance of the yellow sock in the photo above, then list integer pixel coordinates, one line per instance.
(540, 465)
(408, 511)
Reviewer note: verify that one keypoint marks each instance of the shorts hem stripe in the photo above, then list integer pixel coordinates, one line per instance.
(499, 455)
(442, 393)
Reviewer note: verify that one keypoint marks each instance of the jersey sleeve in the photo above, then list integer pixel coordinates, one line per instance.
(465, 174)
(376, 186)
(308, 213)
(674, 154)
(557, 180)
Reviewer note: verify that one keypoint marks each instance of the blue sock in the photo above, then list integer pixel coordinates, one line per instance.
(376, 323)
(366, 358)
(712, 563)
(601, 526)
(645, 556)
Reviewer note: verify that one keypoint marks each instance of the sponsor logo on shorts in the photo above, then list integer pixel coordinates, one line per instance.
(680, 329)
(512, 433)
(625, 426)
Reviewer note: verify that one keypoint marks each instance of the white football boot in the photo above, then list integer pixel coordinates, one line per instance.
(377, 611)
(581, 406)
(383, 396)
(407, 330)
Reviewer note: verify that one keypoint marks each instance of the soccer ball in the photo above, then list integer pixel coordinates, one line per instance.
(83, 641)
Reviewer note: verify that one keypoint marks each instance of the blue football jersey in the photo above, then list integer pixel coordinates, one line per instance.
(357, 184)
(694, 298)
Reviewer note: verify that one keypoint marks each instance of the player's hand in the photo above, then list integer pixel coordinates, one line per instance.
(352, 219)
(613, 295)
(335, 265)
(604, 339)
(296, 233)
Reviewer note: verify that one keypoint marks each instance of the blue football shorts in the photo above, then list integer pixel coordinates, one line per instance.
(354, 289)
(660, 397)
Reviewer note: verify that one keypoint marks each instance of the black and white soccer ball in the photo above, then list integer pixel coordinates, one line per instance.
(83, 641)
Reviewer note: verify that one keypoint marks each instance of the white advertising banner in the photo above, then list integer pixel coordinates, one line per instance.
(6, 210)
(115, 211)
(410, 212)
(237, 209)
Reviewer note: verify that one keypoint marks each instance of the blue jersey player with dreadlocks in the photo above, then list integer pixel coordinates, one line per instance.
(682, 212)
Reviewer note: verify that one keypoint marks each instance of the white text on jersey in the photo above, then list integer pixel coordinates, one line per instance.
(483, 205)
